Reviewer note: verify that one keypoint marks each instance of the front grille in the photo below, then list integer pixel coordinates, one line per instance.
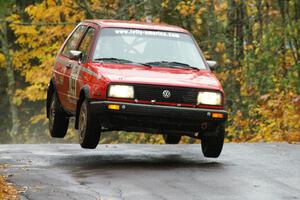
(179, 95)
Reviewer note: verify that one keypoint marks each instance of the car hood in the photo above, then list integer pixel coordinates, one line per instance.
(120, 73)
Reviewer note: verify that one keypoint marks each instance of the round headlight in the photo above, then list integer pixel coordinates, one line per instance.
(210, 98)
(121, 91)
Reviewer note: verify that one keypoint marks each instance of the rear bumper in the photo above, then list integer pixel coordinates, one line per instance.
(153, 118)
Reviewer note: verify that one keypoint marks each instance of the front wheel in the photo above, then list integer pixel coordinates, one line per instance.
(58, 121)
(212, 145)
(89, 130)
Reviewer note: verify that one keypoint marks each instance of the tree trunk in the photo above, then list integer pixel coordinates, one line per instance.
(259, 19)
(240, 31)
(10, 81)
(283, 12)
(296, 40)
(230, 29)
(297, 10)
(248, 26)
(148, 10)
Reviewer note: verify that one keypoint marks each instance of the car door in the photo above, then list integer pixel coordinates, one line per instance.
(76, 77)
(64, 68)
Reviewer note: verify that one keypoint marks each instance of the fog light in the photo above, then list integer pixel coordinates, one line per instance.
(113, 107)
(217, 115)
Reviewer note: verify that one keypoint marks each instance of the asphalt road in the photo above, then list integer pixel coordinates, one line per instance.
(142, 172)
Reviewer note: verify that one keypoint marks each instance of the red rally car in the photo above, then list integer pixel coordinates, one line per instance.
(132, 76)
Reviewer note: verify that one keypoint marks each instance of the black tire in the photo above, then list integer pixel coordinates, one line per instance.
(171, 138)
(89, 128)
(212, 145)
(58, 120)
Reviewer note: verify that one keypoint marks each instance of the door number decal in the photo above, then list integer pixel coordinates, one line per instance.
(73, 80)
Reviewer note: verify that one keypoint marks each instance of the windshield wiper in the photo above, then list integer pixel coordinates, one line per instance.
(171, 64)
(118, 60)
(148, 64)
(122, 61)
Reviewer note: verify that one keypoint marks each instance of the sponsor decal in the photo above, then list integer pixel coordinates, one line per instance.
(146, 33)
(73, 80)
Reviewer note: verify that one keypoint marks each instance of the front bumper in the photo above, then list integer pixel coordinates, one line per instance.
(155, 118)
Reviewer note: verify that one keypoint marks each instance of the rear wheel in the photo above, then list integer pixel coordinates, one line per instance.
(58, 121)
(212, 145)
(172, 138)
(89, 130)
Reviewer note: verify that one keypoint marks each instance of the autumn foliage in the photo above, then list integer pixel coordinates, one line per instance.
(255, 42)
(7, 191)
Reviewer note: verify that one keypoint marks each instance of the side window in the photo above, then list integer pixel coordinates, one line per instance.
(86, 42)
(73, 41)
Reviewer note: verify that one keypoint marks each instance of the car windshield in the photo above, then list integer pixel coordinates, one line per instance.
(154, 48)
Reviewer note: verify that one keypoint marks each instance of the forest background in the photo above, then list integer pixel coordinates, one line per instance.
(255, 42)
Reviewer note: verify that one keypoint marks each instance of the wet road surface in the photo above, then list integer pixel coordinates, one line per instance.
(142, 172)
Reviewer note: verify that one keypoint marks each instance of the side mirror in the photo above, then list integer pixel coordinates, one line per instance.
(75, 55)
(212, 64)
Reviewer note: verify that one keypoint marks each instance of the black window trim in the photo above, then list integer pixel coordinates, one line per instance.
(82, 37)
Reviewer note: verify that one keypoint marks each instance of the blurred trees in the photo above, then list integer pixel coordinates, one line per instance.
(256, 43)
(6, 62)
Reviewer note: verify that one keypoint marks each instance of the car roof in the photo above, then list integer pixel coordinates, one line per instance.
(135, 25)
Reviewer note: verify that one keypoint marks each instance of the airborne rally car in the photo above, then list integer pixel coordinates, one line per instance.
(120, 75)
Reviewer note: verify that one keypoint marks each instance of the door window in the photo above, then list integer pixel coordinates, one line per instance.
(73, 41)
(86, 42)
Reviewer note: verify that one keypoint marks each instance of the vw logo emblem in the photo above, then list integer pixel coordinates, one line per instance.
(166, 94)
